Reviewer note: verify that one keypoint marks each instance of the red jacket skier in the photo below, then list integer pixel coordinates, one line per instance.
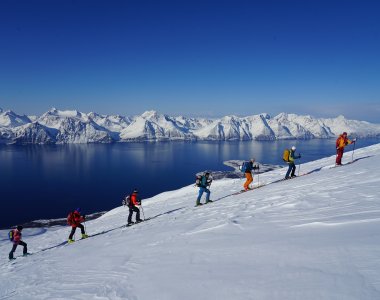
(74, 219)
(16, 233)
(135, 201)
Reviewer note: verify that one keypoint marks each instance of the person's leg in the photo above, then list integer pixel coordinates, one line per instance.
(72, 232)
(81, 228)
(25, 250)
(12, 251)
(130, 214)
(249, 180)
(136, 209)
(201, 190)
(339, 156)
(208, 195)
(293, 170)
(289, 170)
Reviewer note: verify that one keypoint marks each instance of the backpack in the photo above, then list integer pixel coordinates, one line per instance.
(71, 219)
(285, 155)
(11, 235)
(244, 167)
(126, 201)
(198, 180)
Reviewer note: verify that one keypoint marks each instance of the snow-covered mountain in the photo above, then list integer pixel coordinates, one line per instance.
(10, 119)
(315, 237)
(62, 127)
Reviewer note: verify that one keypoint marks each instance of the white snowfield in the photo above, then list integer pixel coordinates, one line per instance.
(313, 237)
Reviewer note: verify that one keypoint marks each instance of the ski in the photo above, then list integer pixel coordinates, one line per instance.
(342, 165)
(255, 188)
(276, 181)
(135, 223)
(201, 204)
(13, 260)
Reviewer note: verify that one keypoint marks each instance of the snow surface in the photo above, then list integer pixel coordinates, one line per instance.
(313, 237)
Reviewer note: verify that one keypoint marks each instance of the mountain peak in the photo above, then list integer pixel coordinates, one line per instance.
(149, 114)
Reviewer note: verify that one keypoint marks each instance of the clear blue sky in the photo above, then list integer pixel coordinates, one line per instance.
(195, 58)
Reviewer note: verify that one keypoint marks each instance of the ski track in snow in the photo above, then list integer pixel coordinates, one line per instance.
(313, 237)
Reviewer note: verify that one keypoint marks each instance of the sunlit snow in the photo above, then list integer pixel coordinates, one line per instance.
(313, 237)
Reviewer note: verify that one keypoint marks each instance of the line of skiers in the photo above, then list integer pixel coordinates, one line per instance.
(75, 220)
(133, 201)
(289, 157)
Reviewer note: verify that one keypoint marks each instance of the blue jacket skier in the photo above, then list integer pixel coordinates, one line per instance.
(204, 182)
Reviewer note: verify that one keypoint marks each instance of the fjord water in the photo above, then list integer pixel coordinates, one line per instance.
(47, 181)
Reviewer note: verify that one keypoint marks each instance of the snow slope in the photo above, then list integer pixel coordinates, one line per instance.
(313, 237)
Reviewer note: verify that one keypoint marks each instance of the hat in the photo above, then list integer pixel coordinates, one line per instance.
(78, 209)
(252, 159)
(344, 133)
(293, 148)
(19, 227)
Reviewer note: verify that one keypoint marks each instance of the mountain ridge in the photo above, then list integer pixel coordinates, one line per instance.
(72, 126)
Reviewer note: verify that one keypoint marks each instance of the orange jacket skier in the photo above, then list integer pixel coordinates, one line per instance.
(341, 142)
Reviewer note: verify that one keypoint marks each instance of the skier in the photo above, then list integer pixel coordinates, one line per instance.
(203, 182)
(74, 219)
(290, 161)
(248, 173)
(134, 202)
(341, 142)
(16, 239)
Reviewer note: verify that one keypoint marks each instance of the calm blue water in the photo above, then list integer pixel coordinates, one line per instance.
(41, 182)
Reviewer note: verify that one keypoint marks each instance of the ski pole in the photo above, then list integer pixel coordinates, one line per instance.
(299, 167)
(258, 175)
(85, 228)
(142, 210)
(353, 150)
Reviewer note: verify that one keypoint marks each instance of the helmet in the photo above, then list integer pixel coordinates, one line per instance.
(78, 209)
(294, 148)
(135, 191)
(19, 227)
